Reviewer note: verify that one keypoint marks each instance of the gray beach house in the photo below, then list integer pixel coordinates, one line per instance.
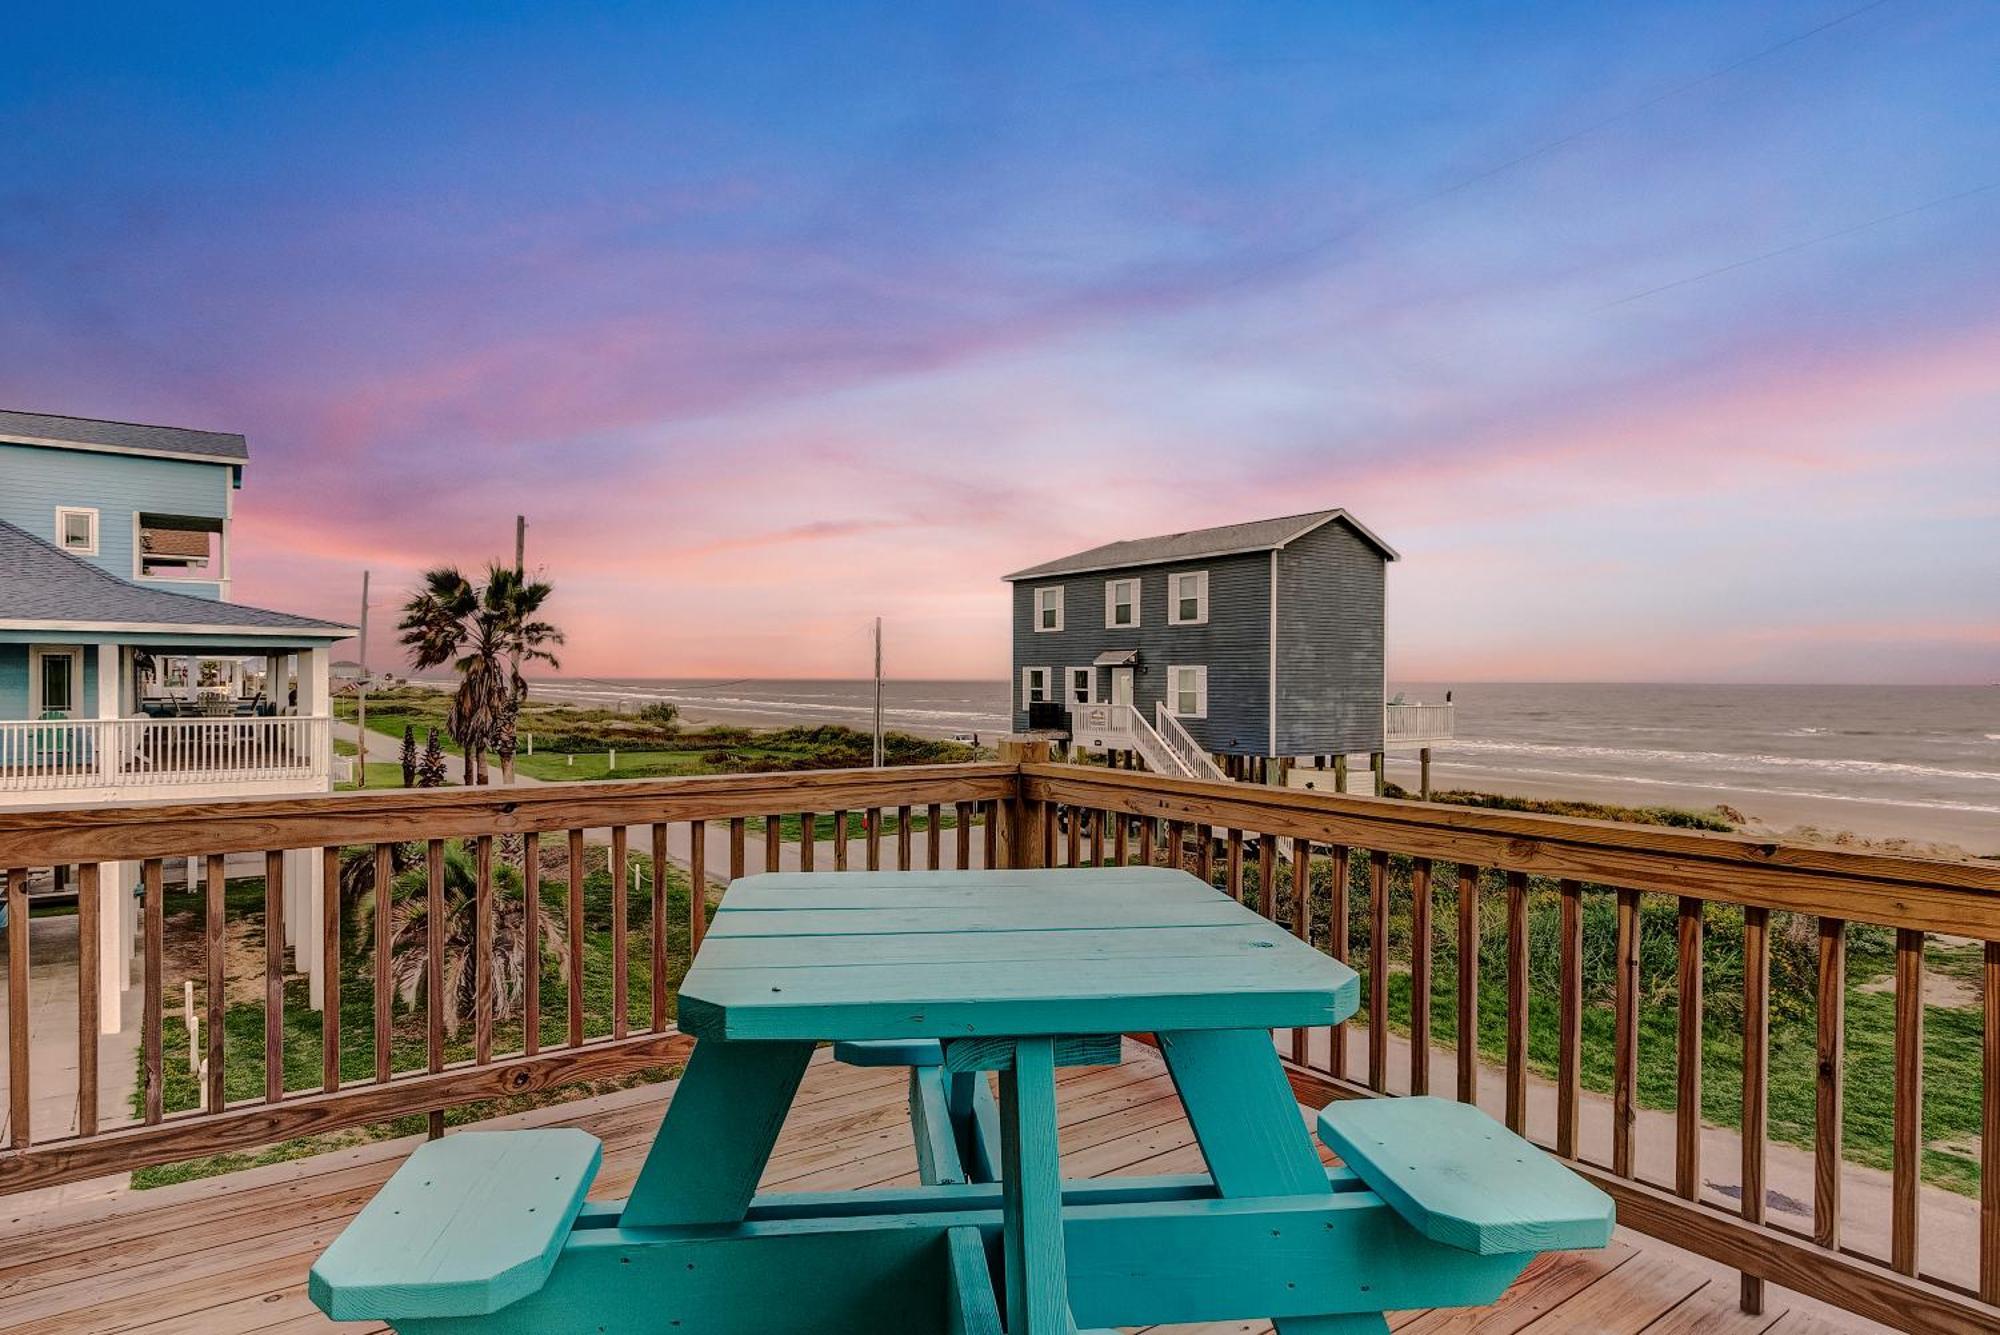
(1213, 652)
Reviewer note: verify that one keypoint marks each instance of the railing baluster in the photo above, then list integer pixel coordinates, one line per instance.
(329, 968)
(1148, 832)
(274, 977)
(1094, 832)
(656, 921)
(1121, 840)
(736, 842)
(1204, 853)
(88, 889)
(531, 924)
(1756, 1065)
(964, 841)
(1625, 1039)
(482, 943)
(934, 835)
(1233, 866)
(1378, 970)
(1073, 836)
(1989, 1129)
(1517, 1002)
(1267, 875)
(1420, 976)
(1906, 1149)
(1569, 1034)
(1301, 924)
(871, 825)
(434, 959)
(903, 839)
(574, 930)
(19, 1107)
(1339, 873)
(1830, 1056)
(1687, 1109)
(384, 996)
(840, 841)
(1468, 984)
(772, 846)
(808, 839)
(697, 886)
(990, 853)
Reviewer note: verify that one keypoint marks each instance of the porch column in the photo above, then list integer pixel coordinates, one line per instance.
(116, 923)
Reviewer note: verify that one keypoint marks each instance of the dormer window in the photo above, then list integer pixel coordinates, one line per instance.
(1187, 598)
(1049, 608)
(1121, 603)
(76, 530)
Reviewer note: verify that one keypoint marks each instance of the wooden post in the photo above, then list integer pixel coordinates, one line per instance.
(1424, 773)
(1023, 834)
(1340, 773)
(1380, 771)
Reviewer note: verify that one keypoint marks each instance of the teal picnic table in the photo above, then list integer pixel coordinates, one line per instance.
(958, 975)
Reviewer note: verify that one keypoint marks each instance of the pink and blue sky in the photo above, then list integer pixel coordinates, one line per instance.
(1663, 340)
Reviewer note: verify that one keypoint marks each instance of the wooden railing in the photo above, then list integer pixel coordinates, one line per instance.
(1582, 1022)
(63, 755)
(1405, 891)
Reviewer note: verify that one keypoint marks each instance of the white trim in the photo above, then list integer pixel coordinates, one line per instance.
(1111, 602)
(1089, 695)
(163, 628)
(1057, 590)
(1174, 617)
(49, 442)
(62, 540)
(1272, 711)
(1027, 688)
(1200, 689)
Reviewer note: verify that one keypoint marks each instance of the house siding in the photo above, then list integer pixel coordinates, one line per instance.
(35, 479)
(1331, 601)
(15, 695)
(1233, 644)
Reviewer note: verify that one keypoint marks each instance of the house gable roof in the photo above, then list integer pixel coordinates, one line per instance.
(89, 433)
(1259, 535)
(44, 587)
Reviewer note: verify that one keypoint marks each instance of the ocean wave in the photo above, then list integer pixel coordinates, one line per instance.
(1710, 786)
(1727, 760)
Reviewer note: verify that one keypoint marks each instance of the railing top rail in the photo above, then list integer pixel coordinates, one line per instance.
(129, 830)
(1932, 894)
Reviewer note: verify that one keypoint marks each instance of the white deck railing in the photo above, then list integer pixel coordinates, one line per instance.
(1416, 725)
(62, 754)
(1195, 761)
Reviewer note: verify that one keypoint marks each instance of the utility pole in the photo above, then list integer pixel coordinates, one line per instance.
(520, 545)
(878, 692)
(361, 705)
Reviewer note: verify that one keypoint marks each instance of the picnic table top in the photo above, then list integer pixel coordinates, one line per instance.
(952, 954)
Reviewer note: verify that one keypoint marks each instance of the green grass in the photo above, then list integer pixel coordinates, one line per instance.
(243, 1022)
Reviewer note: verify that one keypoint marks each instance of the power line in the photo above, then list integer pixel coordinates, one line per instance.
(1797, 246)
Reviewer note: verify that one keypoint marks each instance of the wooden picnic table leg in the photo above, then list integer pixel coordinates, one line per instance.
(1247, 1122)
(1037, 1275)
(717, 1135)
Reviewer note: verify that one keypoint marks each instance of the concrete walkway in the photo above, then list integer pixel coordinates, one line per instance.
(52, 1038)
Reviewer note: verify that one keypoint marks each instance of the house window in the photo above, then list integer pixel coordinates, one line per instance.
(1080, 680)
(178, 547)
(76, 530)
(1187, 600)
(1121, 603)
(1035, 686)
(1187, 691)
(1049, 608)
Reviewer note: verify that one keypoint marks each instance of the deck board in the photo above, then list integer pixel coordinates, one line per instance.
(228, 1256)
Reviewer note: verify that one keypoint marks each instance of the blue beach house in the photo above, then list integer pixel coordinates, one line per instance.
(126, 671)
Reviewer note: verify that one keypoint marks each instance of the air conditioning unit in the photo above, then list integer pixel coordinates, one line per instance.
(1048, 717)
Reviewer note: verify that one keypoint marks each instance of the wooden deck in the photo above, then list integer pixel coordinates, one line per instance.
(230, 1255)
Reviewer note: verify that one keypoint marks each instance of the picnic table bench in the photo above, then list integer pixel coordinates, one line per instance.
(962, 975)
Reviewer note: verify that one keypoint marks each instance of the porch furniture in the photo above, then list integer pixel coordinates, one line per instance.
(958, 974)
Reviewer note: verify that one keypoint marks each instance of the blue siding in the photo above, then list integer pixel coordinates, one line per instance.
(1233, 644)
(1330, 643)
(35, 479)
(13, 681)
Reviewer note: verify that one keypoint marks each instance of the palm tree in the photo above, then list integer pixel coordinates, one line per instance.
(486, 632)
(511, 957)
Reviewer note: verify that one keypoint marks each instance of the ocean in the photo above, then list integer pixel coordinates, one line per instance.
(1922, 760)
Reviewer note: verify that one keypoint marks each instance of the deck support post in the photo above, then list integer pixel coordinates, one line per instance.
(1340, 773)
(1424, 773)
(1380, 771)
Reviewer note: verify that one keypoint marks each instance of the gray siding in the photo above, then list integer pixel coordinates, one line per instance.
(1233, 644)
(1330, 643)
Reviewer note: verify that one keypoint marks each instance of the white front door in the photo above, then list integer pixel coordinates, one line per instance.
(1121, 686)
